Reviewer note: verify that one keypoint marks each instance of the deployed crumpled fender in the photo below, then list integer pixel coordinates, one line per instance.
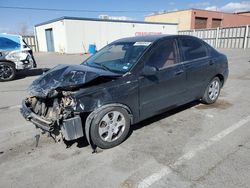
(92, 116)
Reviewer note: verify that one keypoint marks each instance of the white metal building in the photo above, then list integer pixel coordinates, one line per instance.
(74, 35)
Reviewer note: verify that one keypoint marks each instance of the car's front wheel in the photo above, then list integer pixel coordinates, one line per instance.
(7, 71)
(212, 91)
(110, 127)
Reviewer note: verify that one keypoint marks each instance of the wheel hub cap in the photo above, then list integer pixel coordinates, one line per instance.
(111, 126)
(213, 91)
(5, 72)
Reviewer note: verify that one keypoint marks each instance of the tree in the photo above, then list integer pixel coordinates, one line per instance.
(23, 29)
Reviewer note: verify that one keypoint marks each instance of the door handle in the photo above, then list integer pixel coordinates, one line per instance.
(211, 62)
(179, 72)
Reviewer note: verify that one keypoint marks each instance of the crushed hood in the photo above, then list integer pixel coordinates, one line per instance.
(65, 77)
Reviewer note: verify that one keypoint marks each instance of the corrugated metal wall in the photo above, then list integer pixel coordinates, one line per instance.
(230, 37)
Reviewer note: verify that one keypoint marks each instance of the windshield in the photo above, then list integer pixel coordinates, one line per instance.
(118, 57)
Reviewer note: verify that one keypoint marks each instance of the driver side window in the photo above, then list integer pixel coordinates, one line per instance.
(164, 55)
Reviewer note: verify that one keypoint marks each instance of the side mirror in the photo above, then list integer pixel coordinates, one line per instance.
(148, 71)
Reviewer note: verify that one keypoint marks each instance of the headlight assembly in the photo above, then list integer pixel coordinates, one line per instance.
(16, 56)
(69, 101)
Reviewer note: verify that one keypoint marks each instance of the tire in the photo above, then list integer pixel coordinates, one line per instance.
(7, 71)
(212, 91)
(110, 127)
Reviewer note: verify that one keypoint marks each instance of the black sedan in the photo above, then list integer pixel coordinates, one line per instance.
(124, 83)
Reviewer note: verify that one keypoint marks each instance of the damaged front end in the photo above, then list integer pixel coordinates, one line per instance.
(54, 115)
(53, 105)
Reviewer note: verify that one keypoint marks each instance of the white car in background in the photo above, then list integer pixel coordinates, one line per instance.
(15, 55)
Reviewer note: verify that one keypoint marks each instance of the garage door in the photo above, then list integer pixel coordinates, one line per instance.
(216, 22)
(200, 23)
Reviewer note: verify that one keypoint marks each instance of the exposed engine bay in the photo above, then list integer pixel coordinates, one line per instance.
(51, 115)
(53, 105)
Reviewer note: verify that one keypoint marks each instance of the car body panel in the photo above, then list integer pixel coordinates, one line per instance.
(123, 90)
(69, 91)
(160, 91)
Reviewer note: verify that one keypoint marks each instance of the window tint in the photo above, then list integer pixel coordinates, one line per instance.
(7, 44)
(117, 57)
(211, 50)
(192, 49)
(114, 52)
(163, 55)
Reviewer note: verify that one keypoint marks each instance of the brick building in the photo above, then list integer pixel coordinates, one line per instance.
(200, 19)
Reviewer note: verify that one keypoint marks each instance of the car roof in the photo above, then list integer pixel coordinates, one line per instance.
(147, 38)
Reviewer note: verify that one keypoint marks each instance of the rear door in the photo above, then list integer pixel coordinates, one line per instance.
(198, 65)
(167, 87)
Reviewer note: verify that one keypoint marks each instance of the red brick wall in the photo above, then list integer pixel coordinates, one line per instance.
(228, 20)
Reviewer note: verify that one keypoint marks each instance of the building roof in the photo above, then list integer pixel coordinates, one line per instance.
(244, 12)
(101, 20)
(190, 9)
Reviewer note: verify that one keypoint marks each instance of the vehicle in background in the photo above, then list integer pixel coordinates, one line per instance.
(15, 55)
(124, 83)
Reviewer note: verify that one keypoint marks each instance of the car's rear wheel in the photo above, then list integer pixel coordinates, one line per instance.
(212, 91)
(110, 127)
(7, 71)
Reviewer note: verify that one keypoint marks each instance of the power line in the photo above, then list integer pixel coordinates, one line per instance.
(76, 10)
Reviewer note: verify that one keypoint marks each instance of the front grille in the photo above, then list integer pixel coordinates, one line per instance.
(46, 108)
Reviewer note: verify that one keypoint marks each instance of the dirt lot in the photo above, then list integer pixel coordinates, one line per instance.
(193, 146)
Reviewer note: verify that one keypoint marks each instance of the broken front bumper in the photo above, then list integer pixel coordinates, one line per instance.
(71, 128)
(35, 119)
(28, 63)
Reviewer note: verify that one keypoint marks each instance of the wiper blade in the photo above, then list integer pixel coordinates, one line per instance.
(105, 67)
(102, 66)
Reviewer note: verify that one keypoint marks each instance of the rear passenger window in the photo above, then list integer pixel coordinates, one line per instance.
(164, 55)
(192, 49)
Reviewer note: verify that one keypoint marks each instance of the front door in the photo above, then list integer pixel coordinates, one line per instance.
(167, 87)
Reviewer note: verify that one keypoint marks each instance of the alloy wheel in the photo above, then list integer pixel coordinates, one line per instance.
(6, 72)
(112, 126)
(213, 90)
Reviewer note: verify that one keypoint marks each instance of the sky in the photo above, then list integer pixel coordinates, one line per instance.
(12, 20)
